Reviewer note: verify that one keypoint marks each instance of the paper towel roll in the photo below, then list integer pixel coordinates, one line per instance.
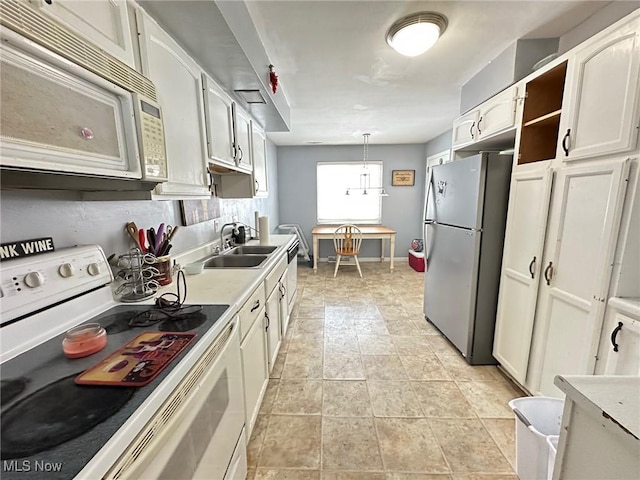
(263, 228)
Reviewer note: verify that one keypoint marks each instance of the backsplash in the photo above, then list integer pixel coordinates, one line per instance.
(70, 221)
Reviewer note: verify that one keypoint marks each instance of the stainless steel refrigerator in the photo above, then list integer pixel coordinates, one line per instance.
(465, 216)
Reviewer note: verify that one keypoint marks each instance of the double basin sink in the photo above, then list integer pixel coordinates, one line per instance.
(244, 256)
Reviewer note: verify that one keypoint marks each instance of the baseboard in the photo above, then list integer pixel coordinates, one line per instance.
(332, 259)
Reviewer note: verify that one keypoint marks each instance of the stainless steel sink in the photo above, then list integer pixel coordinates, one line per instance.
(252, 249)
(235, 261)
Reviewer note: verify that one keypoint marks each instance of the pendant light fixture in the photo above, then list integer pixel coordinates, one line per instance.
(365, 187)
(416, 33)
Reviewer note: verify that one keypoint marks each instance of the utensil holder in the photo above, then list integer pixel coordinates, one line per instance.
(140, 275)
(163, 264)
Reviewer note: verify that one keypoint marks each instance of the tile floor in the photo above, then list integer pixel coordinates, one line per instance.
(365, 389)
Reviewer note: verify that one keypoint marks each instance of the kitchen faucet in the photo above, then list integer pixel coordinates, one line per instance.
(223, 247)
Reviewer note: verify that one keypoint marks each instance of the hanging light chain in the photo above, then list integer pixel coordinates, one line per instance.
(365, 148)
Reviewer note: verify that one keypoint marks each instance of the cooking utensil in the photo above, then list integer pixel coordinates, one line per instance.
(159, 240)
(151, 236)
(143, 240)
(132, 230)
(172, 231)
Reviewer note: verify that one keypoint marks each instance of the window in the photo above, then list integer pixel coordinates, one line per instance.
(336, 207)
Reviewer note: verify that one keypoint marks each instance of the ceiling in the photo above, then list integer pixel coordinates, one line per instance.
(341, 79)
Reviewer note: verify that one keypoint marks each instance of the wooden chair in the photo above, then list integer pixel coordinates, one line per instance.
(347, 240)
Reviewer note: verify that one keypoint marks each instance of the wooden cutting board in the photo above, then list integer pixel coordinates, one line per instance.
(138, 362)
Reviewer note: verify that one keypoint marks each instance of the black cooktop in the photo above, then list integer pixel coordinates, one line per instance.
(47, 418)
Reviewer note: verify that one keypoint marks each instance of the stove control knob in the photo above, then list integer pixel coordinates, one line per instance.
(93, 269)
(66, 270)
(34, 279)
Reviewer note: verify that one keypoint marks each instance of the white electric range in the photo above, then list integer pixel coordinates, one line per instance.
(187, 423)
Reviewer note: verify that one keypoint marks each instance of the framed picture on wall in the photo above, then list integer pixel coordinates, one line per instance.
(403, 178)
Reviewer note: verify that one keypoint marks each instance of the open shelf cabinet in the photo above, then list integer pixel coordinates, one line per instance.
(541, 116)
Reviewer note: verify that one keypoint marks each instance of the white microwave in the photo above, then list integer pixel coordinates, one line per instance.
(59, 116)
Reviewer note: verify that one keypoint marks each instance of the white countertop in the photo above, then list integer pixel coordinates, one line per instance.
(611, 396)
(226, 285)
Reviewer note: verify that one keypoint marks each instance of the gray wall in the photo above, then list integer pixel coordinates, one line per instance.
(439, 144)
(26, 214)
(401, 210)
(513, 64)
(600, 20)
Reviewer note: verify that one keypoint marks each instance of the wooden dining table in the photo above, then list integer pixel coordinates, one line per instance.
(375, 232)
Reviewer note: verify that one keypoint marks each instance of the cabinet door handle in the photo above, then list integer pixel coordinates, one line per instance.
(255, 306)
(479, 131)
(241, 153)
(268, 321)
(532, 267)
(565, 145)
(257, 186)
(471, 129)
(614, 334)
(548, 273)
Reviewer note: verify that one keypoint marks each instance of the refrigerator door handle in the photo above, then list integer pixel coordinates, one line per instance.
(427, 222)
(426, 199)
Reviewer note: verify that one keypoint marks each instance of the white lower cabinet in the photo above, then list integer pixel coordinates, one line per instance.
(283, 305)
(273, 327)
(529, 197)
(255, 369)
(572, 274)
(619, 352)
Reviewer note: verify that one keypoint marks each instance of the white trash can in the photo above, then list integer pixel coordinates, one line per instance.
(536, 419)
(552, 442)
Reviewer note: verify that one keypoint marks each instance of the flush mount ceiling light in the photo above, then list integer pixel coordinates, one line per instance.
(416, 33)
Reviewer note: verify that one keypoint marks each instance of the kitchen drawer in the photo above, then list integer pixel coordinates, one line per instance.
(250, 310)
(272, 279)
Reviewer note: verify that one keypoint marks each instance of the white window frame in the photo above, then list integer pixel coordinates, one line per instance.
(352, 182)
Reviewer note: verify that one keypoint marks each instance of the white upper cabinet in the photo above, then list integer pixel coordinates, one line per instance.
(259, 148)
(465, 129)
(103, 22)
(576, 271)
(242, 130)
(178, 80)
(217, 107)
(529, 197)
(498, 113)
(600, 107)
(490, 118)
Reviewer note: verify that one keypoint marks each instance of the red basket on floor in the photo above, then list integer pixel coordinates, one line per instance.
(416, 260)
